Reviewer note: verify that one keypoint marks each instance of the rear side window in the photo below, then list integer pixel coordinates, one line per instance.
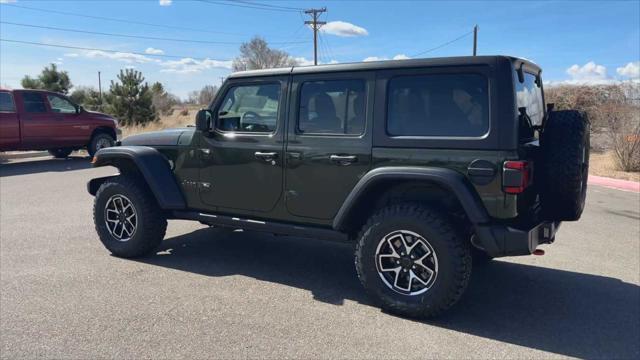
(6, 102)
(33, 102)
(443, 105)
(332, 107)
(529, 95)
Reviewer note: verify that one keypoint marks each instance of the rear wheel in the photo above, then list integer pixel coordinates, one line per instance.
(411, 261)
(100, 141)
(127, 217)
(60, 153)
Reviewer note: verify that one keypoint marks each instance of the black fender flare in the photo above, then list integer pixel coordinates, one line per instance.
(448, 179)
(153, 166)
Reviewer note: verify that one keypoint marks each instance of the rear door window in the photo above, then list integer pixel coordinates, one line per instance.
(34, 102)
(332, 107)
(438, 105)
(6, 102)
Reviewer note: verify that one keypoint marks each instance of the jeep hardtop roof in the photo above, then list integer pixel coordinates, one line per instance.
(391, 64)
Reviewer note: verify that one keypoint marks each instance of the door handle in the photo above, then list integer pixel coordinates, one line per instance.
(343, 159)
(266, 156)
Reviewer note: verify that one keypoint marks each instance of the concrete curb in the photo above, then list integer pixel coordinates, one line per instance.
(11, 155)
(618, 184)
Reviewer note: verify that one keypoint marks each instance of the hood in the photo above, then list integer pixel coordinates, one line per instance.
(99, 115)
(169, 137)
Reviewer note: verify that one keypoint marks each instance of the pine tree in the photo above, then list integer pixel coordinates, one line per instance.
(88, 97)
(131, 100)
(49, 79)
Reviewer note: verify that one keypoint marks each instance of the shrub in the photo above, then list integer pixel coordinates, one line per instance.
(624, 131)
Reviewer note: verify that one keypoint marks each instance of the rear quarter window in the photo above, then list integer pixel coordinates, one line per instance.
(439, 105)
(529, 95)
(6, 102)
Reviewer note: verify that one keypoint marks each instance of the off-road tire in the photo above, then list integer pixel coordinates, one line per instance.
(151, 222)
(453, 255)
(60, 153)
(564, 167)
(97, 140)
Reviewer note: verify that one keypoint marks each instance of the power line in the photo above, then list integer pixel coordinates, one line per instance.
(248, 6)
(125, 35)
(443, 45)
(269, 5)
(127, 21)
(105, 50)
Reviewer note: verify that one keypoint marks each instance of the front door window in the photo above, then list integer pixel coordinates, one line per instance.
(61, 105)
(250, 108)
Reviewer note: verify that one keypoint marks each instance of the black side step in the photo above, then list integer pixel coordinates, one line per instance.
(263, 226)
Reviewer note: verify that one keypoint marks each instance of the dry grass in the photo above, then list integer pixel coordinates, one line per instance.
(181, 117)
(604, 164)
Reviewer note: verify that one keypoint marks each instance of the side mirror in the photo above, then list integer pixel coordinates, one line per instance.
(79, 109)
(203, 120)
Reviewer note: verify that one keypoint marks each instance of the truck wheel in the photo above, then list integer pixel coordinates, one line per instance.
(99, 141)
(127, 217)
(60, 153)
(565, 165)
(411, 261)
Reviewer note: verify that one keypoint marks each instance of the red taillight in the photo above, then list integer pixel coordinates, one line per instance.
(516, 176)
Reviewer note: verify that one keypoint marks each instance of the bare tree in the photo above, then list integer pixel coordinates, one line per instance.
(207, 93)
(256, 54)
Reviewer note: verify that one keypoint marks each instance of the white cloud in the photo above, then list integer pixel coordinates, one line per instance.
(153, 51)
(588, 73)
(378, 58)
(342, 28)
(192, 66)
(401, 57)
(73, 55)
(120, 56)
(302, 61)
(7, 1)
(165, 2)
(631, 70)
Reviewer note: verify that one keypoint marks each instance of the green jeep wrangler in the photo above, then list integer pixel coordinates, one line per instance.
(424, 164)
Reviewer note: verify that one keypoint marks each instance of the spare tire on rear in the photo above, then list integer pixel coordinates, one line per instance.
(564, 165)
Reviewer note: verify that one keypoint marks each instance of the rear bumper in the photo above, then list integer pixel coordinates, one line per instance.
(503, 240)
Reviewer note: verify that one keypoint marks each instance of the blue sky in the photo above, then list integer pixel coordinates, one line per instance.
(573, 41)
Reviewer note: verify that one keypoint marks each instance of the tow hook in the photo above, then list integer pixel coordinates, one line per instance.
(538, 252)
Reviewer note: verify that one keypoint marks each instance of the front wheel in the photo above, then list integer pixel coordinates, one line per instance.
(127, 217)
(412, 262)
(100, 141)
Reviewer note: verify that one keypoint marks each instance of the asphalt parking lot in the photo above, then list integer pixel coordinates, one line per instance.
(211, 293)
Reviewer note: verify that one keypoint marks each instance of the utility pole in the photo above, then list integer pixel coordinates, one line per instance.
(315, 25)
(475, 40)
(100, 89)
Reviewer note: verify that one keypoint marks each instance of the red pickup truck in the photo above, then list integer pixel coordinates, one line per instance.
(44, 120)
